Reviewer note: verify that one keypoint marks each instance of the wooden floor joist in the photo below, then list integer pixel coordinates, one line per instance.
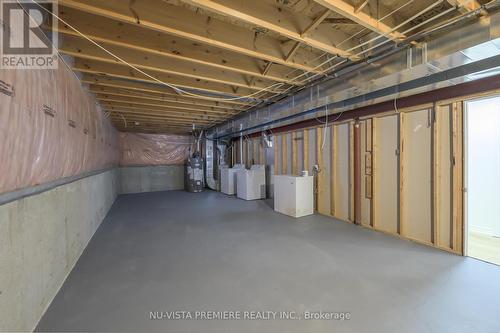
(81, 48)
(110, 32)
(124, 72)
(163, 104)
(181, 22)
(345, 9)
(274, 18)
(100, 81)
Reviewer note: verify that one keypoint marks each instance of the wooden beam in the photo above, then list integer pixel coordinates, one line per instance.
(110, 32)
(158, 120)
(276, 19)
(374, 203)
(284, 154)
(305, 150)
(292, 51)
(81, 48)
(316, 22)
(347, 10)
(402, 183)
(131, 118)
(182, 22)
(125, 72)
(295, 155)
(267, 68)
(333, 163)
(157, 90)
(320, 179)
(276, 154)
(145, 109)
(163, 104)
(360, 7)
(338, 21)
(465, 5)
(458, 177)
(182, 105)
(140, 114)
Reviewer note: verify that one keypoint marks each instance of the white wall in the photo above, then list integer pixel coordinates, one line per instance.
(483, 159)
(41, 238)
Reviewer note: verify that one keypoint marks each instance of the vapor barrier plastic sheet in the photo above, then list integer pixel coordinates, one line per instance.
(153, 149)
(50, 128)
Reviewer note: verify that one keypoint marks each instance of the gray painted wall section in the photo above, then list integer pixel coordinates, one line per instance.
(151, 178)
(41, 238)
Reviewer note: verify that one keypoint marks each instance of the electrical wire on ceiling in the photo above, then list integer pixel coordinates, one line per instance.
(174, 87)
(269, 88)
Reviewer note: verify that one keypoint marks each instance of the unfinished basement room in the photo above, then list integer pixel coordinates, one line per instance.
(250, 166)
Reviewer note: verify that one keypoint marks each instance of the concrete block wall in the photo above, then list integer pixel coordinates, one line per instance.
(138, 179)
(41, 238)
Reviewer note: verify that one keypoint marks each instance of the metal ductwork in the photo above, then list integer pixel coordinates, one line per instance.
(469, 49)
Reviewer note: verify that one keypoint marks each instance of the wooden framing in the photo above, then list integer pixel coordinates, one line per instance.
(276, 154)
(105, 82)
(295, 155)
(123, 72)
(401, 123)
(284, 154)
(351, 173)
(436, 178)
(105, 31)
(333, 162)
(222, 48)
(458, 176)
(263, 15)
(305, 150)
(374, 146)
(320, 179)
(152, 63)
(401, 159)
(349, 11)
(181, 22)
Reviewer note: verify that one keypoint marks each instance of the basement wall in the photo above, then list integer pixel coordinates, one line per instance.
(58, 180)
(139, 179)
(41, 238)
(152, 162)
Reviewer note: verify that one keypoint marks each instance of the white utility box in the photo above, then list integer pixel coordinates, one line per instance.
(293, 195)
(251, 184)
(228, 179)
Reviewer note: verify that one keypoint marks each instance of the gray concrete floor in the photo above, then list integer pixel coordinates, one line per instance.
(169, 251)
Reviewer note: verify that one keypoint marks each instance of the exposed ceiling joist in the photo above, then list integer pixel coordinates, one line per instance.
(360, 7)
(316, 22)
(157, 110)
(81, 48)
(167, 107)
(110, 93)
(132, 37)
(124, 72)
(292, 51)
(273, 18)
(156, 89)
(166, 119)
(181, 22)
(465, 5)
(347, 10)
